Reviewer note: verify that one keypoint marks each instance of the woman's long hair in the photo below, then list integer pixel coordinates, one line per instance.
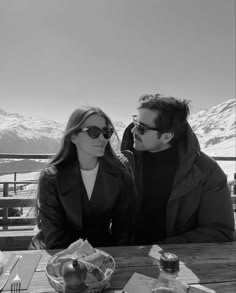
(67, 153)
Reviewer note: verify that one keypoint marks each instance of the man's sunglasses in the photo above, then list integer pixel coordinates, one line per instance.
(142, 128)
(94, 131)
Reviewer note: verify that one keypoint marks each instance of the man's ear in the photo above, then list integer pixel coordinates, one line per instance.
(167, 137)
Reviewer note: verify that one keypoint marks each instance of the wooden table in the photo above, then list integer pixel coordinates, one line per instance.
(210, 264)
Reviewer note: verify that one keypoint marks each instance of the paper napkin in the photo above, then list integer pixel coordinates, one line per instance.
(26, 266)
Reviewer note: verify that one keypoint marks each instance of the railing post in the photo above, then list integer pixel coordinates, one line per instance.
(234, 188)
(5, 210)
(5, 189)
(15, 183)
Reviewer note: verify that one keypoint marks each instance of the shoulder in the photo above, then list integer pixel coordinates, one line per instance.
(205, 161)
(125, 155)
(208, 165)
(127, 159)
(49, 173)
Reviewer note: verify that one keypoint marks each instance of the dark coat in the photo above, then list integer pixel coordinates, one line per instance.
(199, 208)
(61, 206)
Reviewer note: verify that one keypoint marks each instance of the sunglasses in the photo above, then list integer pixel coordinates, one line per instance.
(94, 131)
(142, 128)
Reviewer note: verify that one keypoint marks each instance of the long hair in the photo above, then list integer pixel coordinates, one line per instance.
(67, 153)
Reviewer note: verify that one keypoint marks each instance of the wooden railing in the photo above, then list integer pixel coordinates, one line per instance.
(17, 231)
(13, 208)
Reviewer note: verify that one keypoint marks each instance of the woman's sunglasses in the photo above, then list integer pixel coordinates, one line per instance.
(142, 128)
(94, 131)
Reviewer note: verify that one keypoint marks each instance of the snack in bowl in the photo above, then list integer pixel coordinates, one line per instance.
(80, 268)
(74, 274)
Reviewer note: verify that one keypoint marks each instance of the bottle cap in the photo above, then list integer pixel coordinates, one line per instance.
(169, 262)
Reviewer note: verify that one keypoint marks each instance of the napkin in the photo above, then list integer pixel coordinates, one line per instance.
(26, 266)
(200, 289)
(139, 283)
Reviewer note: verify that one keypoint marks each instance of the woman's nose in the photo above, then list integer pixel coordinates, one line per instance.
(101, 137)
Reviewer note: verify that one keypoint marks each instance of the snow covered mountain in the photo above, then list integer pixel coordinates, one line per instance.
(215, 128)
(28, 135)
(20, 134)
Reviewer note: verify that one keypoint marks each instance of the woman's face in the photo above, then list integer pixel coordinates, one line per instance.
(87, 147)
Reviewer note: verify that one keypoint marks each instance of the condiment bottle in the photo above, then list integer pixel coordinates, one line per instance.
(168, 280)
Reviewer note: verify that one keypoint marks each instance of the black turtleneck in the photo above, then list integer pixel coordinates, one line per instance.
(159, 170)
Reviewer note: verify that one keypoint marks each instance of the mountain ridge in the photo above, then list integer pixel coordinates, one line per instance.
(214, 127)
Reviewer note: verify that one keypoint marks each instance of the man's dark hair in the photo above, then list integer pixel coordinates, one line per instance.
(172, 113)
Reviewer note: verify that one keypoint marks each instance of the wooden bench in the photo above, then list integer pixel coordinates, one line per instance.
(7, 221)
(17, 219)
(16, 240)
(16, 232)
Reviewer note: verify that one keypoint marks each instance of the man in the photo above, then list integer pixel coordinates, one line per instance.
(182, 194)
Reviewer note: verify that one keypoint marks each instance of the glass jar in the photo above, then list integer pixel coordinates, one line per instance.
(168, 280)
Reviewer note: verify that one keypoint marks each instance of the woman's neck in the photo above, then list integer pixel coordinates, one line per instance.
(88, 163)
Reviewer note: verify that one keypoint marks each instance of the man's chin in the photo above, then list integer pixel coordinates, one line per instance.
(137, 147)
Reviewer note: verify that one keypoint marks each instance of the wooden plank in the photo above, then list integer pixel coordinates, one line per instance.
(16, 240)
(7, 221)
(19, 182)
(209, 264)
(17, 201)
(26, 156)
(233, 199)
(199, 272)
(18, 221)
(224, 158)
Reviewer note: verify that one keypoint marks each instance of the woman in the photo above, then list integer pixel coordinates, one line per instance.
(87, 190)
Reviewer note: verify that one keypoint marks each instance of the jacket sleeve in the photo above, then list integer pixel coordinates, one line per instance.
(123, 212)
(215, 219)
(51, 214)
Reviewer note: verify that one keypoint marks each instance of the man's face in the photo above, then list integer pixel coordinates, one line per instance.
(151, 140)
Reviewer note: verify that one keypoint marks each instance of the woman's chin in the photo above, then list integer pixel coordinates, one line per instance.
(100, 153)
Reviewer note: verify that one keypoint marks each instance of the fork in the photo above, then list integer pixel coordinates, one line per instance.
(16, 282)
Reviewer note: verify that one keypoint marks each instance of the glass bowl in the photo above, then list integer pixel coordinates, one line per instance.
(108, 267)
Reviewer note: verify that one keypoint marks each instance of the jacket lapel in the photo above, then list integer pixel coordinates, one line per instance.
(138, 177)
(188, 177)
(70, 185)
(106, 185)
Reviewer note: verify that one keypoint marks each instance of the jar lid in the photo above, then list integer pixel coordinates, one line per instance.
(169, 262)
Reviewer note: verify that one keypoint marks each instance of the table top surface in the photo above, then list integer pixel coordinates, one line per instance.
(210, 264)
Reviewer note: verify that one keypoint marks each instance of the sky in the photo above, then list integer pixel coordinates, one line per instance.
(56, 55)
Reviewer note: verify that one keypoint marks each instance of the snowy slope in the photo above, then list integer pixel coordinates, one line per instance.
(215, 129)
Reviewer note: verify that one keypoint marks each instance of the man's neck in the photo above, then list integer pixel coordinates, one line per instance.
(162, 148)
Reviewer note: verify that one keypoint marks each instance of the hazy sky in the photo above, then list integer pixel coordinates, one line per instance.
(56, 55)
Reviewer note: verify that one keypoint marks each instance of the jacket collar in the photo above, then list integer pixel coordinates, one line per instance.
(188, 149)
(69, 177)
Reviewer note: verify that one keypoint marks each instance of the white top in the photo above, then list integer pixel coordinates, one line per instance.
(89, 177)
